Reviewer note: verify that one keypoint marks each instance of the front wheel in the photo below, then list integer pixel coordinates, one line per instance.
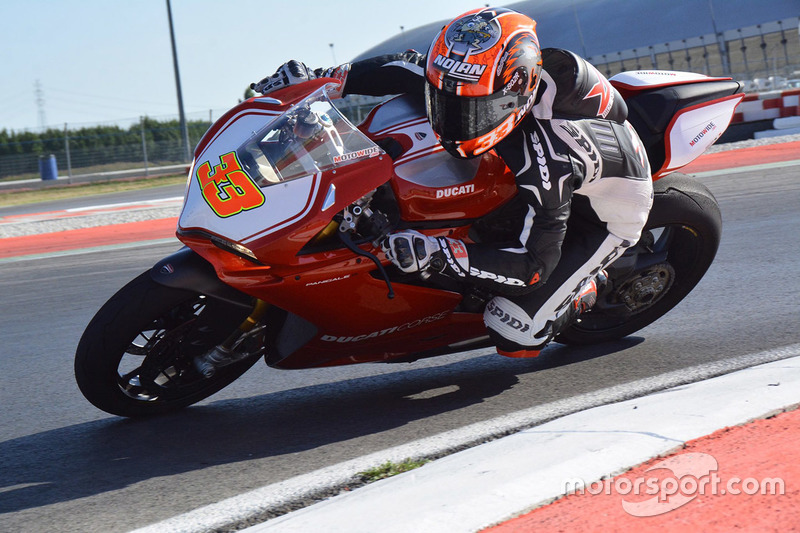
(677, 246)
(135, 357)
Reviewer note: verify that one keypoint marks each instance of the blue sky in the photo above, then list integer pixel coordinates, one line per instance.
(103, 61)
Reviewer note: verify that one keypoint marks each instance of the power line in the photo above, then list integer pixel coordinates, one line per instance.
(40, 103)
(118, 98)
(66, 102)
(114, 97)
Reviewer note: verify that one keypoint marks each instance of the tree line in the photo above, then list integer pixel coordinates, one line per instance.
(97, 137)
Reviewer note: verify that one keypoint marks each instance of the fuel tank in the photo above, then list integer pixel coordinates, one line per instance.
(428, 182)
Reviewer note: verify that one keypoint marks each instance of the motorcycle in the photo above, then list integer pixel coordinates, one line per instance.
(287, 203)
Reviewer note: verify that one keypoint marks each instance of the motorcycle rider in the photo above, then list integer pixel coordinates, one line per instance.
(559, 125)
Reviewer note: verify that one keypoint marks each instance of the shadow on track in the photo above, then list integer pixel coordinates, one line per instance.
(110, 454)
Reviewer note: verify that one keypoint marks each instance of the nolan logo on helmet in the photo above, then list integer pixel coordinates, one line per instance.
(458, 69)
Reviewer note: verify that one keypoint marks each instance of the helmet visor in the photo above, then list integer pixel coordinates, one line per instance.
(462, 118)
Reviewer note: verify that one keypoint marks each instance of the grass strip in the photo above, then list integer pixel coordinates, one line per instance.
(389, 469)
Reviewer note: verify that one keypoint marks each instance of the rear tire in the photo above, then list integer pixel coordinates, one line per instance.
(135, 357)
(678, 244)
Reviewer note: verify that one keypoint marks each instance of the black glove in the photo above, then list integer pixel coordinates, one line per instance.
(290, 73)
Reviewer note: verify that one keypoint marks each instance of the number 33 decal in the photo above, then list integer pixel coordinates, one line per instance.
(227, 189)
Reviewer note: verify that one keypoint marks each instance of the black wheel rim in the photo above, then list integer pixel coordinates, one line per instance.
(157, 364)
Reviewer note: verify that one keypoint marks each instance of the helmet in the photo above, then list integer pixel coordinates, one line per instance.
(481, 76)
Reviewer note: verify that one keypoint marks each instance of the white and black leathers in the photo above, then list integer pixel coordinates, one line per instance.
(578, 164)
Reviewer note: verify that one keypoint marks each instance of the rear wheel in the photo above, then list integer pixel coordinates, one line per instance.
(136, 356)
(677, 246)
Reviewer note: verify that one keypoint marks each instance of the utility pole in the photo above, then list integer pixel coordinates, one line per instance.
(184, 129)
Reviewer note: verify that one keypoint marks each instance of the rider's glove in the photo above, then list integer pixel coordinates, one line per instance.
(338, 73)
(412, 251)
(290, 73)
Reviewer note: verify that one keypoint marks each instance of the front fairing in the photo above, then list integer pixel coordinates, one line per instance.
(270, 174)
(250, 194)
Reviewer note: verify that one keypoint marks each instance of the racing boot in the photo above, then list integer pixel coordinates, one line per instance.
(582, 303)
(585, 300)
(588, 296)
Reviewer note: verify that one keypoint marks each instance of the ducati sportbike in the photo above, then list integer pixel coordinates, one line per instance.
(286, 206)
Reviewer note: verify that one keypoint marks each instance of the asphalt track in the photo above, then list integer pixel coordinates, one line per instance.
(67, 467)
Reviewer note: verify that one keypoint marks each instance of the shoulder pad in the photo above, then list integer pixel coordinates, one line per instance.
(581, 91)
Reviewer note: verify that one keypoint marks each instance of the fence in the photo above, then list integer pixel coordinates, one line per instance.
(89, 150)
(763, 51)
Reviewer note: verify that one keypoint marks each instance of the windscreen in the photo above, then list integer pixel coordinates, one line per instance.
(311, 137)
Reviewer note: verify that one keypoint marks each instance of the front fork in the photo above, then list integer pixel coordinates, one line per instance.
(185, 269)
(231, 349)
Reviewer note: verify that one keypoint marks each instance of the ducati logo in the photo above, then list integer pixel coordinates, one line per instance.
(387, 331)
(455, 191)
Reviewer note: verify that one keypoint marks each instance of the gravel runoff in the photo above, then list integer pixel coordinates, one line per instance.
(33, 227)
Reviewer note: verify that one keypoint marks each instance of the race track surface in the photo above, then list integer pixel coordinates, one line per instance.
(68, 467)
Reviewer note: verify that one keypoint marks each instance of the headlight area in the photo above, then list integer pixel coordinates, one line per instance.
(235, 248)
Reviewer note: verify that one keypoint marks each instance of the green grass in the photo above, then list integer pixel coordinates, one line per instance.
(389, 469)
(61, 192)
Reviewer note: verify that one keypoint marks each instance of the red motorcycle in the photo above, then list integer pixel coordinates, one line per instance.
(285, 210)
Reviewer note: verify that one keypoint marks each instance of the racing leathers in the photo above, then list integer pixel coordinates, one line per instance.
(582, 173)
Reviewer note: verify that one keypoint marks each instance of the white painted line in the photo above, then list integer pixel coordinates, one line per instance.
(406, 502)
(157, 202)
(749, 168)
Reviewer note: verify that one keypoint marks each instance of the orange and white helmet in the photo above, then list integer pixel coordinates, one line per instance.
(481, 75)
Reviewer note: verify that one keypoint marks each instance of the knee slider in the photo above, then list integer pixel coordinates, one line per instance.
(510, 327)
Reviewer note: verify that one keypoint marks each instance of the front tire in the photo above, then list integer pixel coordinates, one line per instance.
(135, 357)
(678, 244)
